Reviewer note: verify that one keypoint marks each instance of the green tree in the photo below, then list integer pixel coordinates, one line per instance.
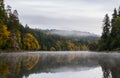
(3, 14)
(105, 38)
(115, 33)
(115, 14)
(13, 22)
(115, 30)
(93, 46)
(111, 33)
(106, 27)
(119, 11)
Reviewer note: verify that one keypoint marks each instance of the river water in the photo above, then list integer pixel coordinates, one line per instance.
(60, 64)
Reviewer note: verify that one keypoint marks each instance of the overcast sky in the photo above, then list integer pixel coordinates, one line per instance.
(82, 15)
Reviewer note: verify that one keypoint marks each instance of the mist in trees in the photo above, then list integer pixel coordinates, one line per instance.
(16, 37)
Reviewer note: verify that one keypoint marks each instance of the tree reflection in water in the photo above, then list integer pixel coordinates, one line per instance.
(110, 65)
(17, 65)
(12, 65)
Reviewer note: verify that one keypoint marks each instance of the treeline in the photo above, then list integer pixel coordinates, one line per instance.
(110, 39)
(12, 33)
(16, 37)
(53, 42)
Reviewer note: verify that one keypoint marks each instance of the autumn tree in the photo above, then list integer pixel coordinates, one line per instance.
(59, 45)
(70, 45)
(4, 37)
(52, 49)
(30, 42)
(15, 36)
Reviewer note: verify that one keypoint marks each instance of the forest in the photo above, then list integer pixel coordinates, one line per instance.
(111, 33)
(16, 37)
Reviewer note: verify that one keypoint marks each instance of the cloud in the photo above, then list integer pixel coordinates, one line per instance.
(83, 15)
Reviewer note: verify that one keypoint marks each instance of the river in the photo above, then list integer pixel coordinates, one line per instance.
(60, 64)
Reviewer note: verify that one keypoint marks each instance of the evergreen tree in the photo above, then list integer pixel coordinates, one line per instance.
(112, 23)
(115, 29)
(106, 27)
(105, 38)
(14, 36)
(3, 14)
(111, 34)
(115, 13)
(115, 34)
(13, 22)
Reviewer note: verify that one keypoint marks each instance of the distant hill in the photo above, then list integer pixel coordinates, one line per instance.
(16, 37)
(70, 33)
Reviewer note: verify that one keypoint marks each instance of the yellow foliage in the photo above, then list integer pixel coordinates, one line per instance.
(84, 47)
(59, 44)
(4, 70)
(19, 37)
(30, 61)
(52, 49)
(30, 42)
(4, 35)
(71, 46)
(77, 48)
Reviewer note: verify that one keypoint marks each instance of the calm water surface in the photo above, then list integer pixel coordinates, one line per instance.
(80, 64)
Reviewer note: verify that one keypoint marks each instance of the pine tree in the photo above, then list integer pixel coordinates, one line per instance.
(3, 14)
(105, 38)
(13, 22)
(111, 32)
(115, 34)
(115, 13)
(106, 27)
